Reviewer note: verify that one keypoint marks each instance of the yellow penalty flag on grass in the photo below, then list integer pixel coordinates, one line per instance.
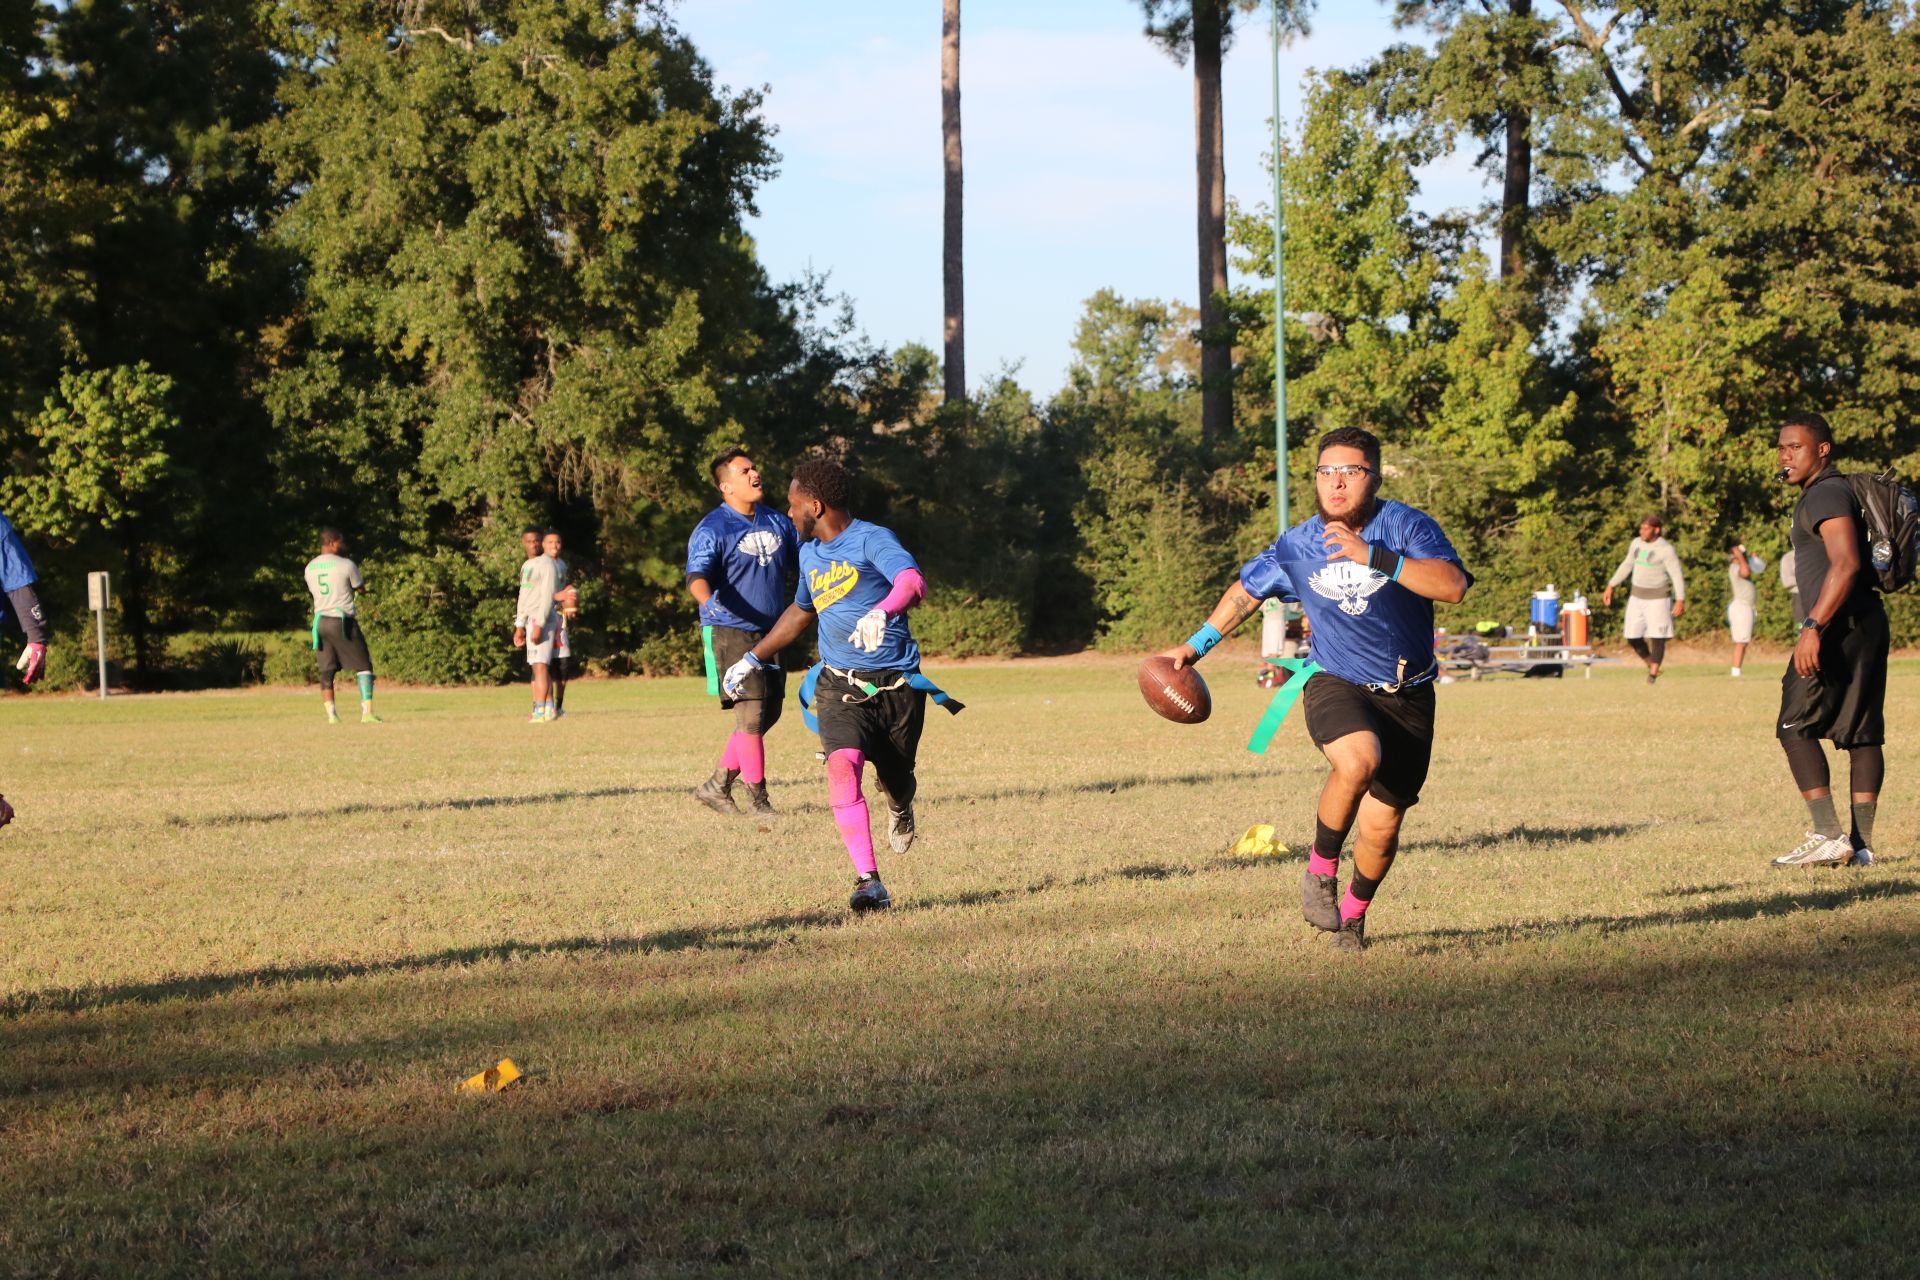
(1258, 842)
(493, 1079)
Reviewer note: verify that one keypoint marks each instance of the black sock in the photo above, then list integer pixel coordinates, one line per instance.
(1659, 648)
(1863, 823)
(1363, 888)
(1327, 841)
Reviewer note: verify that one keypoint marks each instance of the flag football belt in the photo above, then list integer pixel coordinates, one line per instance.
(713, 671)
(316, 633)
(1300, 671)
(1287, 694)
(810, 684)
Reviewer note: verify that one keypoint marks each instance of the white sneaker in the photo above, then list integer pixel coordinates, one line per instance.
(1863, 857)
(1735, 673)
(1818, 851)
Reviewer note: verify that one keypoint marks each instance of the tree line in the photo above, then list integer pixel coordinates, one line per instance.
(432, 270)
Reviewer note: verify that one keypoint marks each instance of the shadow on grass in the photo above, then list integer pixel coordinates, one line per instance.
(1827, 899)
(751, 937)
(458, 804)
(454, 804)
(1528, 833)
(764, 934)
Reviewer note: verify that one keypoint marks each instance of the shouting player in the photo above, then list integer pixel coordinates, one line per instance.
(872, 701)
(1367, 572)
(739, 560)
(335, 582)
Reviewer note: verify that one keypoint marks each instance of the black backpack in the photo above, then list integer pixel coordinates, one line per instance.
(1892, 516)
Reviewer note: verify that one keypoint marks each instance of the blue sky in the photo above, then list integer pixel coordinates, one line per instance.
(1078, 136)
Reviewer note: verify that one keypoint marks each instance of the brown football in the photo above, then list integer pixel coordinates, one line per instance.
(1178, 694)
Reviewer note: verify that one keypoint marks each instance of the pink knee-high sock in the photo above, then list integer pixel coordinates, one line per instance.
(1351, 906)
(750, 756)
(730, 758)
(850, 807)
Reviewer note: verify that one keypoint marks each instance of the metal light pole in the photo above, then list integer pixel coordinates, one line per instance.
(1279, 291)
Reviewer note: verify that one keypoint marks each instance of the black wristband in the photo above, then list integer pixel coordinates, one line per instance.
(1378, 557)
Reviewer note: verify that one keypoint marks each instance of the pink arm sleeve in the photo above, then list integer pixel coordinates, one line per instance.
(909, 589)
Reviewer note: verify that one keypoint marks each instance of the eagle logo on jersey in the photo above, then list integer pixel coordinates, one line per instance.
(761, 544)
(1349, 583)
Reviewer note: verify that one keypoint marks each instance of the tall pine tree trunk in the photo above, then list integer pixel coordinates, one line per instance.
(953, 276)
(1519, 180)
(1216, 346)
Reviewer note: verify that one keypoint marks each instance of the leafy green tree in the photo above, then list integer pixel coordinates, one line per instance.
(102, 446)
(527, 287)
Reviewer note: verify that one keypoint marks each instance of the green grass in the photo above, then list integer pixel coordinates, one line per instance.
(244, 958)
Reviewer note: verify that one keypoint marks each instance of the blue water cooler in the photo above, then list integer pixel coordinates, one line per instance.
(1545, 612)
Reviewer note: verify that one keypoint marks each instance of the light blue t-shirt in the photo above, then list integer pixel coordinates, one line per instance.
(842, 581)
(16, 566)
(746, 561)
(1367, 629)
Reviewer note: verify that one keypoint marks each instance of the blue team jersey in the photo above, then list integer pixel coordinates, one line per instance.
(746, 560)
(842, 581)
(1367, 629)
(16, 566)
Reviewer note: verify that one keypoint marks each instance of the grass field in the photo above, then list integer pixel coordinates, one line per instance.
(244, 959)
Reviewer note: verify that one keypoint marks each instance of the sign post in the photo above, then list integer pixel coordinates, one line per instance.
(97, 601)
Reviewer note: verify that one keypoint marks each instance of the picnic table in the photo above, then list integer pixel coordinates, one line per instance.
(1543, 653)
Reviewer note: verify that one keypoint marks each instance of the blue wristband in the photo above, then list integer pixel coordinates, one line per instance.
(1203, 640)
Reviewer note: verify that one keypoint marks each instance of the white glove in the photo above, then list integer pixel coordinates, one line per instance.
(870, 630)
(736, 676)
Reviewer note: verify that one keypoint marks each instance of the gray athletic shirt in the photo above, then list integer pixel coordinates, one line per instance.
(537, 585)
(1654, 565)
(1743, 592)
(333, 580)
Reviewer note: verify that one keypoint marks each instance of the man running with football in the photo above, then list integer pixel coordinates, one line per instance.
(1367, 572)
(871, 698)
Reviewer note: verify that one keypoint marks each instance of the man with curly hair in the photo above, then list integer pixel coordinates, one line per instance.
(871, 698)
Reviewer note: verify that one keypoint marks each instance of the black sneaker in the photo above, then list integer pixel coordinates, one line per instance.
(757, 803)
(717, 792)
(870, 895)
(1320, 900)
(900, 828)
(1351, 935)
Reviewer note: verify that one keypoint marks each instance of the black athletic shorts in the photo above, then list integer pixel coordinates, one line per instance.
(885, 727)
(1847, 700)
(1402, 721)
(343, 646)
(767, 685)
